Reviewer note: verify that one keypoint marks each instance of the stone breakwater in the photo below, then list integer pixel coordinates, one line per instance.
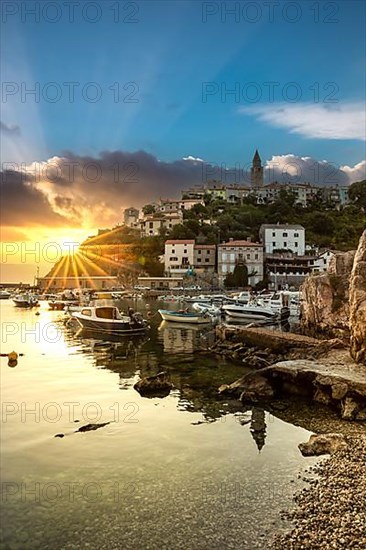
(331, 512)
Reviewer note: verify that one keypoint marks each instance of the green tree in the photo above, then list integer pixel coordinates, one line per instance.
(238, 278)
(148, 209)
(357, 194)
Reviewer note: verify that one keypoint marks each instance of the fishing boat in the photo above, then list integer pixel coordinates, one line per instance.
(25, 300)
(110, 319)
(4, 294)
(183, 316)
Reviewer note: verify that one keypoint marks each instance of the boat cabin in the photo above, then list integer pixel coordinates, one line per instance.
(102, 312)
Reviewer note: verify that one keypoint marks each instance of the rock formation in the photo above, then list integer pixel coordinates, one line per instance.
(323, 444)
(357, 304)
(325, 308)
(334, 385)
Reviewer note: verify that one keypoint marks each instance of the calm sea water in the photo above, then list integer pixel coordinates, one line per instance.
(185, 471)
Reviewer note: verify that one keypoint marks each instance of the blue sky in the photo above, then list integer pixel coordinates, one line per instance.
(169, 53)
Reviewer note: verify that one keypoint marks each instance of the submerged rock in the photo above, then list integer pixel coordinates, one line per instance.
(154, 386)
(322, 444)
(357, 304)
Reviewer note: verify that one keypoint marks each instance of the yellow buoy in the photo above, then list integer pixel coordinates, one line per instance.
(12, 356)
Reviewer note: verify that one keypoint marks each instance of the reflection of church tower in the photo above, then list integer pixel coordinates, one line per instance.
(258, 427)
(256, 172)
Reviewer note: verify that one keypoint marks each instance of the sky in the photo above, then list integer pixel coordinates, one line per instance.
(144, 98)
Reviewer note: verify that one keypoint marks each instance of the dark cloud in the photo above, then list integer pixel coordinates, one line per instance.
(22, 204)
(93, 191)
(9, 130)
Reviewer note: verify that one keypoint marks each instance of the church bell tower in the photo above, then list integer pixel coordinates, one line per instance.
(256, 172)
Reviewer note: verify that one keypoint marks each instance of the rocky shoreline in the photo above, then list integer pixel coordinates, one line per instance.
(331, 512)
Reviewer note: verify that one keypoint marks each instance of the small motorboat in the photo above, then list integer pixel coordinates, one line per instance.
(250, 311)
(4, 295)
(25, 300)
(105, 319)
(183, 316)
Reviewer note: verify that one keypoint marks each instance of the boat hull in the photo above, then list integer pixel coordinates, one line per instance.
(110, 326)
(249, 313)
(184, 317)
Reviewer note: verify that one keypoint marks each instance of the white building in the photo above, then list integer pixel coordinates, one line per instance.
(233, 252)
(321, 262)
(178, 205)
(283, 237)
(179, 256)
(151, 226)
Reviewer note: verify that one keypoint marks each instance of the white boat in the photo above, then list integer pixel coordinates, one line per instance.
(4, 295)
(250, 311)
(183, 316)
(207, 308)
(25, 300)
(105, 319)
(243, 297)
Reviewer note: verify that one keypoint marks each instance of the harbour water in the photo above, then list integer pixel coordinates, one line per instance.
(185, 471)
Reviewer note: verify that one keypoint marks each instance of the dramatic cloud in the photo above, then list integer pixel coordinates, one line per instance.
(9, 130)
(290, 168)
(22, 204)
(314, 120)
(88, 192)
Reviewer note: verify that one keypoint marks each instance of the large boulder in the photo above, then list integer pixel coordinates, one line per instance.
(357, 304)
(323, 444)
(325, 307)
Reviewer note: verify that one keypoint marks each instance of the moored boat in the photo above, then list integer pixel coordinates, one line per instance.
(183, 316)
(110, 319)
(4, 294)
(25, 300)
(250, 311)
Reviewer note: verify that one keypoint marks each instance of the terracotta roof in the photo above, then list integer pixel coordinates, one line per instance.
(240, 243)
(180, 241)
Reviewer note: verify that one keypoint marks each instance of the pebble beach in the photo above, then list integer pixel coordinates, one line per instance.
(331, 511)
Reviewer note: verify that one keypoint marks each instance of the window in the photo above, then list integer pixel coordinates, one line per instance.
(86, 312)
(207, 252)
(199, 260)
(185, 261)
(151, 224)
(273, 234)
(248, 256)
(285, 235)
(185, 251)
(240, 256)
(273, 244)
(296, 234)
(296, 244)
(199, 252)
(256, 256)
(207, 260)
(173, 251)
(285, 244)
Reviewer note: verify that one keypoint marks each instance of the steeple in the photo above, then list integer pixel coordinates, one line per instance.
(256, 172)
(257, 159)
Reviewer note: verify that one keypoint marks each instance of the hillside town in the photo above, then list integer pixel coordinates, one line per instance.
(192, 246)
